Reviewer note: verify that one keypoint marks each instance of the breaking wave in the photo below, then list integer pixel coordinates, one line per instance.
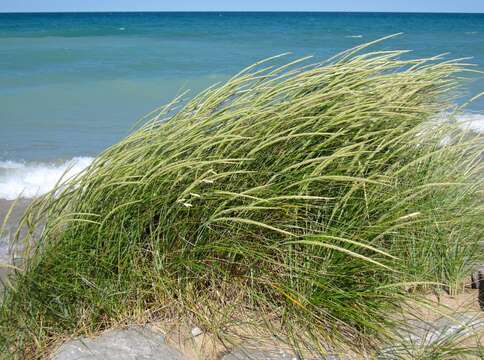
(29, 180)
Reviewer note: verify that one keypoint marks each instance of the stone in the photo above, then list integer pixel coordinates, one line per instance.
(196, 331)
(477, 277)
(133, 343)
(259, 354)
(477, 281)
(418, 333)
(253, 350)
(430, 332)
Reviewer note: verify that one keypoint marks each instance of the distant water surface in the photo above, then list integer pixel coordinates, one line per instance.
(72, 84)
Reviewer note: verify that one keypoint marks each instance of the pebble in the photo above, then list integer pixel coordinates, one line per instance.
(196, 331)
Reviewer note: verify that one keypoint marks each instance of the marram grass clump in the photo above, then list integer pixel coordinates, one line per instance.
(307, 199)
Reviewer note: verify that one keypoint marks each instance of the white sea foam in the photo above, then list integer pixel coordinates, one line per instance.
(470, 121)
(354, 36)
(33, 179)
(467, 121)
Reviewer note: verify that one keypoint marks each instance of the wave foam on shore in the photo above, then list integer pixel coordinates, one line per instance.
(473, 122)
(29, 180)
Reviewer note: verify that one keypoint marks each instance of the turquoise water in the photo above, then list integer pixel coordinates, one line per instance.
(72, 84)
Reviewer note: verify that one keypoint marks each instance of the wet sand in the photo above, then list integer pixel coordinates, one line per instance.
(10, 228)
(17, 212)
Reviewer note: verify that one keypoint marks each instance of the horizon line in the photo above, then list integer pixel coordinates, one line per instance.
(237, 11)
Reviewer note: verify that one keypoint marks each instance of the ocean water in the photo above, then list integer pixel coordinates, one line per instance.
(72, 84)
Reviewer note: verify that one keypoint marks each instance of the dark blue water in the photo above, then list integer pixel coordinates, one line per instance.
(72, 84)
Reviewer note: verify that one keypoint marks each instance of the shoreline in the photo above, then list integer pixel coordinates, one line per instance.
(10, 227)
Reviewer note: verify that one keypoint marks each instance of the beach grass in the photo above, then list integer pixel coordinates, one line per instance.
(316, 196)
